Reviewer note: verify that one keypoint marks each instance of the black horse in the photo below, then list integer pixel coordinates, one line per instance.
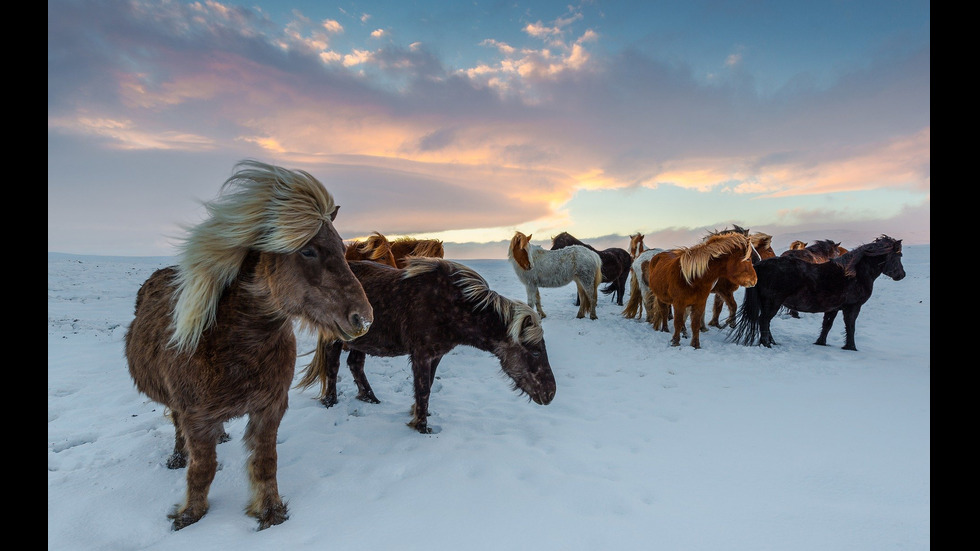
(616, 264)
(840, 284)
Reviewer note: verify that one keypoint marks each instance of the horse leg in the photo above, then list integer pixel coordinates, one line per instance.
(326, 361)
(260, 440)
(534, 300)
(850, 318)
(716, 311)
(766, 312)
(593, 296)
(729, 299)
(580, 300)
(621, 288)
(177, 460)
(697, 317)
(678, 325)
(201, 440)
(355, 362)
(828, 321)
(423, 375)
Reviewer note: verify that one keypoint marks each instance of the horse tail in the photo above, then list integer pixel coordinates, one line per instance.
(609, 288)
(747, 323)
(317, 370)
(634, 304)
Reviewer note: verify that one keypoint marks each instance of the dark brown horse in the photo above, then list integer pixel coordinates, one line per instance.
(842, 284)
(615, 264)
(426, 310)
(409, 246)
(683, 278)
(213, 339)
(818, 253)
(375, 247)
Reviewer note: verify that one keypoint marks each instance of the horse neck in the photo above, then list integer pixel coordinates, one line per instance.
(247, 304)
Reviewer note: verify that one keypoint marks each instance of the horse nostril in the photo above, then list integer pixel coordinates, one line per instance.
(356, 320)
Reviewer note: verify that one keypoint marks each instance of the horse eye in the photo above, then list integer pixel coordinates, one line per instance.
(535, 354)
(308, 252)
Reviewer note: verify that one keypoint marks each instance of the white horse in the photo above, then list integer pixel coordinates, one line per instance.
(539, 267)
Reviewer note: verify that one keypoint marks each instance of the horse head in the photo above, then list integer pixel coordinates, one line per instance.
(518, 250)
(636, 245)
(524, 356)
(893, 267)
(763, 244)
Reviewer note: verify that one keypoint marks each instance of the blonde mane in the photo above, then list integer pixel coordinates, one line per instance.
(694, 260)
(418, 247)
(477, 292)
(260, 207)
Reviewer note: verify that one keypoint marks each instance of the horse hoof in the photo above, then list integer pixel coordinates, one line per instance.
(183, 520)
(328, 401)
(177, 461)
(277, 514)
(846, 347)
(368, 397)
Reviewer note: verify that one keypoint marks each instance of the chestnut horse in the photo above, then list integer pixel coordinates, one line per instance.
(425, 311)
(213, 339)
(537, 267)
(409, 246)
(724, 289)
(818, 253)
(683, 277)
(842, 284)
(615, 264)
(376, 247)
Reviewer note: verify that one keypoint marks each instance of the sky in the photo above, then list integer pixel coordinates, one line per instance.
(469, 121)
(645, 446)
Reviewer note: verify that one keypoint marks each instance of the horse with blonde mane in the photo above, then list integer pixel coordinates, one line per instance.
(538, 267)
(724, 290)
(213, 337)
(404, 247)
(636, 245)
(682, 278)
(375, 247)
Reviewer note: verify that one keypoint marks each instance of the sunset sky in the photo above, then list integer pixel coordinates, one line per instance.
(466, 121)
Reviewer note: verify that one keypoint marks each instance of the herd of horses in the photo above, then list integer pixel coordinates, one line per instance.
(213, 338)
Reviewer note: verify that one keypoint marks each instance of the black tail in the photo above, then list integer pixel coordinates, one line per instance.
(609, 288)
(746, 329)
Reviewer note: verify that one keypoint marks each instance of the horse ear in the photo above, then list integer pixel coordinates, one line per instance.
(333, 215)
(529, 238)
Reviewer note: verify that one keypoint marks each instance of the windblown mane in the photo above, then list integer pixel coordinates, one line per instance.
(420, 247)
(478, 293)
(264, 208)
(881, 245)
(694, 260)
(734, 229)
(376, 247)
(797, 245)
(760, 240)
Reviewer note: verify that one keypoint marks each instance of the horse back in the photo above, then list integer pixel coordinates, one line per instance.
(411, 313)
(805, 286)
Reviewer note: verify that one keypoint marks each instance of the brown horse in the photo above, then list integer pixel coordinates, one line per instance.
(425, 311)
(409, 246)
(213, 339)
(818, 253)
(376, 247)
(683, 278)
(724, 289)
